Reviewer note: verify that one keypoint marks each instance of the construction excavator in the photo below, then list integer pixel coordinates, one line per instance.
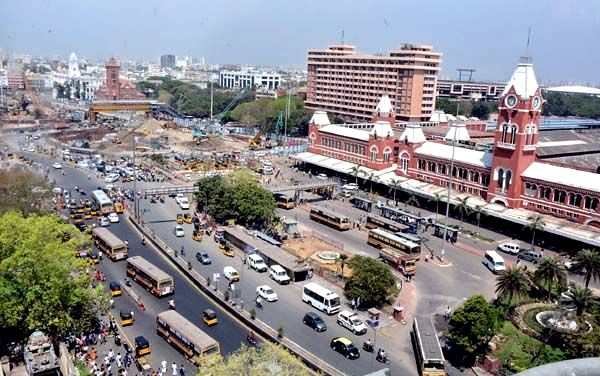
(256, 142)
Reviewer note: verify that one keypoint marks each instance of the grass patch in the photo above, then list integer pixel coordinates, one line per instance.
(477, 235)
(529, 318)
(519, 352)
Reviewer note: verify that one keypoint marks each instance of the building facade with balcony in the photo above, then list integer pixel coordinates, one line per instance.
(348, 84)
(470, 90)
(509, 176)
(249, 78)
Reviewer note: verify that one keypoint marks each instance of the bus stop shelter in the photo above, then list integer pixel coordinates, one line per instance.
(250, 243)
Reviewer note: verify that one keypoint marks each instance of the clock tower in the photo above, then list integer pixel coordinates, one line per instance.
(516, 135)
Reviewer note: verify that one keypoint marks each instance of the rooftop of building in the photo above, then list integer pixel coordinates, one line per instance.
(575, 90)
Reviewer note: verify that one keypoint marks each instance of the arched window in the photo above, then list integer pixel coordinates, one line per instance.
(530, 189)
(374, 152)
(513, 133)
(508, 179)
(312, 138)
(545, 193)
(404, 161)
(485, 180)
(504, 132)
(455, 172)
(500, 177)
(386, 155)
(422, 164)
(475, 177)
(443, 169)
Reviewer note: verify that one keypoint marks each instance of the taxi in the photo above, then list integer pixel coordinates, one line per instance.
(228, 250)
(115, 289)
(209, 317)
(118, 208)
(179, 219)
(345, 347)
(197, 235)
(187, 218)
(87, 214)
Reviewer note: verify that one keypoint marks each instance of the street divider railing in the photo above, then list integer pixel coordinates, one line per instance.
(309, 359)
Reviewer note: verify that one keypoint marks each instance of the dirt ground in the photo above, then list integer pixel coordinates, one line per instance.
(308, 247)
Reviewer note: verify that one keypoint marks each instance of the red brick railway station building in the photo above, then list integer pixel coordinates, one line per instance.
(507, 182)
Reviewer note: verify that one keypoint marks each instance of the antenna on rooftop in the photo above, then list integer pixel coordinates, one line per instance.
(468, 72)
(342, 37)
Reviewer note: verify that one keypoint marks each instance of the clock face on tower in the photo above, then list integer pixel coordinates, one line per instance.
(536, 103)
(510, 101)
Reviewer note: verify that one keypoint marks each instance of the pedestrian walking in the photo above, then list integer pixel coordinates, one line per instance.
(111, 355)
(448, 313)
(100, 255)
(118, 359)
(181, 370)
(106, 360)
(174, 368)
(163, 367)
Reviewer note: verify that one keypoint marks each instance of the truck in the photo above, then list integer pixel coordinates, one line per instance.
(403, 262)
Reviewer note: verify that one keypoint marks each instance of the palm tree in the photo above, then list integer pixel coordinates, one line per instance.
(342, 260)
(513, 281)
(355, 171)
(579, 298)
(412, 200)
(587, 261)
(549, 271)
(462, 207)
(478, 211)
(535, 223)
(437, 199)
(395, 185)
(371, 178)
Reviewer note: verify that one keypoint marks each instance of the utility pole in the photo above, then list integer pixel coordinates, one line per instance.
(287, 111)
(211, 100)
(443, 251)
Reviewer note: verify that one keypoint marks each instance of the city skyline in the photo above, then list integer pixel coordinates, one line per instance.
(489, 38)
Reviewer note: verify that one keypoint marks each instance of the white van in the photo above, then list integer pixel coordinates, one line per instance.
(279, 275)
(257, 263)
(493, 261)
(231, 274)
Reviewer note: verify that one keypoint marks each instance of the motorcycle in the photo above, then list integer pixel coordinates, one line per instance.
(172, 304)
(382, 358)
(143, 241)
(368, 347)
(252, 340)
(127, 282)
(162, 200)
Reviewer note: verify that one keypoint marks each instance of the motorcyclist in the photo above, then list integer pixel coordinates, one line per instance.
(250, 337)
(258, 302)
(143, 240)
(172, 304)
(368, 345)
(381, 355)
(182, 250)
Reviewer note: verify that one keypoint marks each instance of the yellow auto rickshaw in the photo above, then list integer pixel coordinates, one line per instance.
(228, 249)
(197, 236)
(209, 317)
(79, 209)
(126, 318)
(115, 289)
(87, 214)
(72, 214)
(187, 218)
(118, 208)
(78, 218)
(93, 257)
(94, 212)
(142, 346)
(179, 219)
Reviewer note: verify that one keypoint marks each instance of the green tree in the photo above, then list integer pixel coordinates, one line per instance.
(587, 261)
(395, 184)
(480, 110)
(42, 285)
(269, 360)
(535, 223)
(437, 199)
(371, 281)
(411, 200)
(478, 211)
(264, 113)
(462, 207)
(473, 324)
(550, 270)
(513, 281)
(25, 192)
(355, 171)
(579, 298)
(342, 261)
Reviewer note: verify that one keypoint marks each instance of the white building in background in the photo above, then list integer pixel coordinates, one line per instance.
(82, 87)
(249, 77)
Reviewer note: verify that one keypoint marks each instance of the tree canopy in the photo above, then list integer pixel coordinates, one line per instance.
(249, 361)
(474, 323)
(264, 113)
(559, 104)
(24, 191)
(479, 109)
(371, 281)
(42, 284)
(237, 195)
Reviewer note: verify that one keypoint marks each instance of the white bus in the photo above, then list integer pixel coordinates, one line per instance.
(321, 298)
(105, 204)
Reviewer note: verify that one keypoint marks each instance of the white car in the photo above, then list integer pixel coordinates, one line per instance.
(56, 165)
(350, 187)
(350, 321)
(512, 248)
(105, 222)
(111, 178)
(266, 293)
(322, 177)
(182, 201)
(113, 217)
(178, 231)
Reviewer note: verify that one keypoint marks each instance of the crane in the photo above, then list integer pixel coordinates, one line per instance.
(256, 141)
(198, 130)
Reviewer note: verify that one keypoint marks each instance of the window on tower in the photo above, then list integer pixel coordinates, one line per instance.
(513, 133)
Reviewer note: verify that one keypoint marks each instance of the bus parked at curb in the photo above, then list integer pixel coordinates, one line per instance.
(337, 221)
(321, 298)
(149, 276)
(382, 239)
(284, 201)
(113, 247)
(186, 337)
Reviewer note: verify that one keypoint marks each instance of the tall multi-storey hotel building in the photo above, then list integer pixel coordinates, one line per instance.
(349, 85)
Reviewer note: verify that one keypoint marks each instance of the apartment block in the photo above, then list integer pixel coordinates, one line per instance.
(348, 84)
(470, 90)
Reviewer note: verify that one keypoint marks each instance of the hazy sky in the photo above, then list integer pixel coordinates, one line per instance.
(486, 35)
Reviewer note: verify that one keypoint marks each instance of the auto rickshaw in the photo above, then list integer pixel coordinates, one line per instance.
(197, 235)
(126, 318)
(94, 258)
(78, 218)
(209, 317)
(228, 249)
(115, 289)
(142, 346)
(118, 208)
(72, 214)
(79, 209)
(187, 218)
(179, 219)
(94, 211)
(87, 214)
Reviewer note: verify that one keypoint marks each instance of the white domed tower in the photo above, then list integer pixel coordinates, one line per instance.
(74, 66)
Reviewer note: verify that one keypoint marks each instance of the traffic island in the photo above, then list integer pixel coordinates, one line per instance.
(258, 326)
